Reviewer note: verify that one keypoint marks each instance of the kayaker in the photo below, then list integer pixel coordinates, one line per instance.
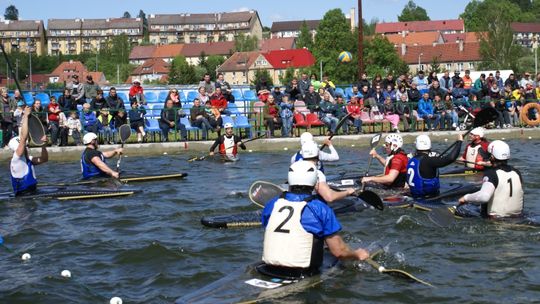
(476, 155)
(323, 156)
(93, 162)
(23, 175)
(297, 224)
(501, 195)
(423, 168)
(310, 152)
(395, 165)
(228, 143)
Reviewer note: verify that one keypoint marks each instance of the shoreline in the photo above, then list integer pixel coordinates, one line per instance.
(272, 144)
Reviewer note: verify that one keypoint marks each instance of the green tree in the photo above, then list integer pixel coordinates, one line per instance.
(181, 72)
(413, 12)
(304, 40)
(334, 36)
(477, 14)
(202, 60)
(369, 28)
(288, 76)
(524, 5)
(380, 57)
(260, 74)
(11, 13)
(535, 9)
(126, 15)
(435, 65)
(245, 43)
(142, 15)
(212, 64)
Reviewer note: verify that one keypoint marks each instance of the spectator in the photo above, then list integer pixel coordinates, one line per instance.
(365, 92)
(89, 119)
(286, 114)
(271, 115)
(175, 97)
(467, 81)
(98, 102)
(432, 77)
(480, 88)
(508, 92)
(354, 92)
(170, 119)
(74, 127)
(402, 81)
(378, 95)
(120, 118)
(494, 92)
(389, 81)
(355, 109)
(390, 114)
(40, 113)
(105, 125)
(459, 94)
(225, 87)
(322, 91)
(498, 79)
(17, 97)
(435, 89)
(113, 102)
(328, 85)
(446, 83)
(440, 109)
(327, 112)
(456, 79)
(314, 82)
(312, 99)
(514, 108)
(278, 95)
(219, 102)
(530, 93)
(490, 80)
(364, 81)
(136, 119)
(263, 89)
(421, 82)
(503, 120)
(450, 110)
(526, 80)
(293, 90)
(390, 92)
(75, 89)
(512, 82)
(199, 118)
(67, 102)
(203, 95)
(425, 111)
(208, 84)
(405, 113)
(89, 89)
(304, 84)
(402, 91)
(53, 110)
(7, 108)
(214, 117)
(136, 92)
(341, 112)
(377, 81)
(414, 94)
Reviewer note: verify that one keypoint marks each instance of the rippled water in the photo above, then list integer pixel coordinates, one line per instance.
(151, 248)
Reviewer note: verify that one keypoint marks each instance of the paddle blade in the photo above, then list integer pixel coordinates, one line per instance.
(485, 116)
(442, 217)
(372, 199)
(261, 192)
(125, 133)
(36, 131)
(375, 140)
(403, 274)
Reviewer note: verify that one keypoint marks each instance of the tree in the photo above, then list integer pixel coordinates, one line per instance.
(524, 5)
(260, 74)
(477, 14)
(11, 13)
(245, 43)
(212, 64)
(369, 28)
(142, 15)
(535, 10)
(126, 15)
(435, 65)
(181, 72)
(288, 76)
(413, 12)
(304, 40)
(380, 57)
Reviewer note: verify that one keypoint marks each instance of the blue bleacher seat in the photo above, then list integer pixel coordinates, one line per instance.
(152, 127)
(339, 91)
(187, 107)
(28, 98)
(154, 110)
(242, 122)
(237, 95)
(123, 96)
(183, 97)
(162, 96)
(44, 98)
(192, 95)
(186, 122)
(250, 95)
(57, 95)
(227, 119)
(150, 97)
(233, 109)
(348, 92)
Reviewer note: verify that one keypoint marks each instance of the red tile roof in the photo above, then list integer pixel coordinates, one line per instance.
(152, 66)
(522, 27)
(448, 52)
(420, 26)
(466, 37)
(69, 68)
(142, 52)
(275, 44)
(297, 58)
(421, 38)
(223, 48)
(168, 50)
(239, 61)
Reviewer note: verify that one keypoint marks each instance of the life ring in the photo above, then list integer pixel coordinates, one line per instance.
(525, 114)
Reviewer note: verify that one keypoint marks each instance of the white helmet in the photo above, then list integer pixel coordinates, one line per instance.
(88, 137)
(499, 149)
(14, 143)
(302, 173)
(310, 150)
(228, 125)
(395, 140)
(423, 142)
(305, 137)
(478, 131)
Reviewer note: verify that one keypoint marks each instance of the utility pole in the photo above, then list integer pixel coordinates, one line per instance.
(16, 69)
(360, 41)
(535, 49)
(28, 41)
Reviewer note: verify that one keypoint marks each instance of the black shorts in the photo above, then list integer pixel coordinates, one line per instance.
(135, 125)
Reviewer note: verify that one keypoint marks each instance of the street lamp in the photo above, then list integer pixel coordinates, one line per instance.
(420, 60)
(535, 48)
(29, 48)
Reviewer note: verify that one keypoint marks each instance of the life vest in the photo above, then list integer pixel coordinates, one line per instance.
(402, 176)
(507, 200)
(473, 156)
(285, 230)
(227, 146)
(27, 182)
(90, 170)
(298, 156)
(418, 185)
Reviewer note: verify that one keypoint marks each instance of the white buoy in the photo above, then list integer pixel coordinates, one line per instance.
(446, 139)
(352, 146)
(164, 153)
(115, 300)
(26, 256)
(530, 137)
(66, 273)
(285, 148)
(250, 151)
(381, 268)
(503, 138)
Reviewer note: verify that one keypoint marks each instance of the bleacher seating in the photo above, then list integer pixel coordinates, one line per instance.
(250, 95)
(186, 122)
(150, 97)
(44, 98)
(237, 95)
(339, 91)
(28, 98)
(191, 95)
(242, 122)
(162, 96)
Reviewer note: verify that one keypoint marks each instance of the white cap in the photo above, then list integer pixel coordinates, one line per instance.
(14, 143)
(395, 140)
(478, 131)
(228, 125)
(499, 149)
(310, 150)
(88, 137)
(136, 80)
(423, 142)
(305, 137)
(302, 173)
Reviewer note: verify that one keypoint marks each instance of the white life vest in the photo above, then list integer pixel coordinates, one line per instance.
(229, 146)
(286, 243)
(473, 156)
(507, 199)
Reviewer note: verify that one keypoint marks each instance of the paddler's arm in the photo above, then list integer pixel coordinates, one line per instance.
(340, 250)
(384, 179)
(376, 155)
(330, 195)
(452, 156)
(215, 145)
(480, 197)
(113, 153)
(103, 167)
(24, 133)
(332, 156)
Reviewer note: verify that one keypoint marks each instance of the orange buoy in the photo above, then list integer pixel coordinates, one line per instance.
(525, 114)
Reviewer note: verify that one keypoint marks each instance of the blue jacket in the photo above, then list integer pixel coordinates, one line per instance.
(425, 107)
(89, 119)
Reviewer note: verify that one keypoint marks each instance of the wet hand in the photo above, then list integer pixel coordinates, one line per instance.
(119, 151)
(373, 153)
(27, 111)
(460, 137)
(361, 254)
(461, 200)
(115, 174)
(327, 142)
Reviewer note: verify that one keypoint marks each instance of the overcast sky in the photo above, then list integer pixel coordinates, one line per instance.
(269, 11)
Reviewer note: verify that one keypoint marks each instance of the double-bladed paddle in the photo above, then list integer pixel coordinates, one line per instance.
(395, 272)
(369, 196)
(339, 125)
(199, 158)
(124, 132)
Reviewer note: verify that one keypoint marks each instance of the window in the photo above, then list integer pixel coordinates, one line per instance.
(448, 66)
(460, 66)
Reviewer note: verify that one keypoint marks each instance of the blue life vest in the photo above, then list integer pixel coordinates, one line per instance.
(418, 185)
(27, 182)
(298, 156)
(90, 170)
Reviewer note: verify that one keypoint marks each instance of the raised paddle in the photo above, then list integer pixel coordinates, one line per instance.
(395, 272)
(125, 132)
(36, 131)
(200, 158)
(374, 143)
(339, 125)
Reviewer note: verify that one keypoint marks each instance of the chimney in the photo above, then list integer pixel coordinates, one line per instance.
(460, 41)
(353, 18)
(403, 33)
(403, 49)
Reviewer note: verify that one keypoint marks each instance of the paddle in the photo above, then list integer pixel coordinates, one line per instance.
(339, 125)
(125, 132)
(36, 131)
(200, 158)
(483, 117)
(374, 143)
(395, 272)
(443, 217)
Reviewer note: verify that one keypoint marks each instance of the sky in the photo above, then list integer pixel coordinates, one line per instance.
(269, 11)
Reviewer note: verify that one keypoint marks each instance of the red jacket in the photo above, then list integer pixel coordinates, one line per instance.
(218, 101)
(52, 108)
(134, 90)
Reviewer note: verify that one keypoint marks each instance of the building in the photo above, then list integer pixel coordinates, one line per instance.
(76, 36)
(465, 37)
(200, 28)
(168, 52)
(20, 34)
(154, 69)
(450, 56)
(287, 29)
(525, 34)
(276, 44)
(240, 68)
(141, 53)
(65, 70)
(413, 38)
(443, 26)
(193, 51)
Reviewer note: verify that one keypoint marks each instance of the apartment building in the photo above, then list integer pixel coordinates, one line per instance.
(23, 35)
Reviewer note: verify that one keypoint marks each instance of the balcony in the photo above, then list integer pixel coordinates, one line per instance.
(55, 46)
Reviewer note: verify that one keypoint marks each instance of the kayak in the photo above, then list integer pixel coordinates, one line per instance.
(123, 179)
(71, 193)
(255, 284)
(460, 171)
